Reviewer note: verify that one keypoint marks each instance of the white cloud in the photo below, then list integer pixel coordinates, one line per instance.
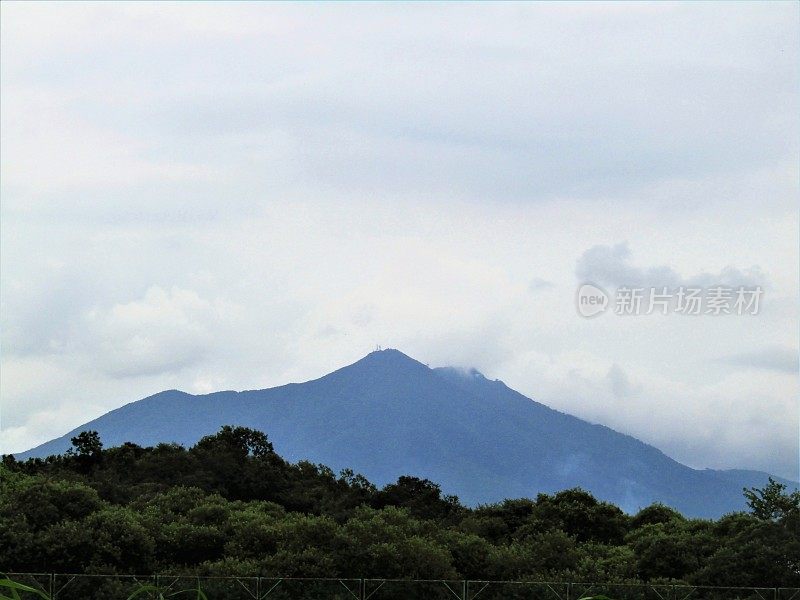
(714, 425)
(164, 331)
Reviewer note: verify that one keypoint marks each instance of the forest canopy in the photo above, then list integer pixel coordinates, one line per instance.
(230, 505)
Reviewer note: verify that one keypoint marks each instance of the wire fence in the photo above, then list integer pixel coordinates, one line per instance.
(61, 586)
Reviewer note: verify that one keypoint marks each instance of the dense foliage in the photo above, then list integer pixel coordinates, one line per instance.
(231, 506)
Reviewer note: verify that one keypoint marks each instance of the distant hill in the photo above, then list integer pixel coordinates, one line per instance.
(388, 415)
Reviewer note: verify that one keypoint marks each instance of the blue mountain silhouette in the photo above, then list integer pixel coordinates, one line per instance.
(388, 415)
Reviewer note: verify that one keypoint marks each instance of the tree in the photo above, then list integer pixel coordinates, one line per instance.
(240, 440)
(754, 553)
(239, 463)
(580, 514)
(422, 497)
(231, 506)
(654, 514)
(87, 443)
(498, 522)
(772, 503)
(87, 449)
(670, 550)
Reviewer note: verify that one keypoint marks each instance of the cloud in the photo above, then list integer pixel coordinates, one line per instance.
(771, 358)
(681, 420)
(611, 265)
(620, 383)
(41, 305)
(166, 330)
(538, 284)
(261, 96)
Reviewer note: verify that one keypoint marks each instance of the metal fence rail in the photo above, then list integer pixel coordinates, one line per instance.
(66, 586)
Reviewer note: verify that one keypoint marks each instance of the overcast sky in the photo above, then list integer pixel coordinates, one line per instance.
(235, 196)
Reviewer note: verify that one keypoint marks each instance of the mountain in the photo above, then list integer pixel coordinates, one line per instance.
(388, 415)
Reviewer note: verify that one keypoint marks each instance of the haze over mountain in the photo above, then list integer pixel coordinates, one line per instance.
(388, 415)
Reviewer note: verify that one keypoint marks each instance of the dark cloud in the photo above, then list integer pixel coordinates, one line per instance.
(612, 266)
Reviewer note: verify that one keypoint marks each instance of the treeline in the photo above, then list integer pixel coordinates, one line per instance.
(231, 506)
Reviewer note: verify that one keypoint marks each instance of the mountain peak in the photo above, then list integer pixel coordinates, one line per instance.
(389, 357)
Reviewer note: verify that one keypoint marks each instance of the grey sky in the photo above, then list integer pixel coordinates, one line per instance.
(229, 196)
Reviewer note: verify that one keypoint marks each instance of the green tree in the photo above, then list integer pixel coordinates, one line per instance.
(87, 443)
(87, 450)
(671, 550)
(422, 497)
(754, 553)
(579, 514)
(654, 514)
(772, 503)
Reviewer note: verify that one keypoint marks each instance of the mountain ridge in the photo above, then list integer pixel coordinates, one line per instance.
(388, 415)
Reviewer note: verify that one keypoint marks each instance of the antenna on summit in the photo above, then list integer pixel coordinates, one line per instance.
(378, 348)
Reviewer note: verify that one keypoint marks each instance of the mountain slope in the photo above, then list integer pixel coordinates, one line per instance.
(388, 415)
